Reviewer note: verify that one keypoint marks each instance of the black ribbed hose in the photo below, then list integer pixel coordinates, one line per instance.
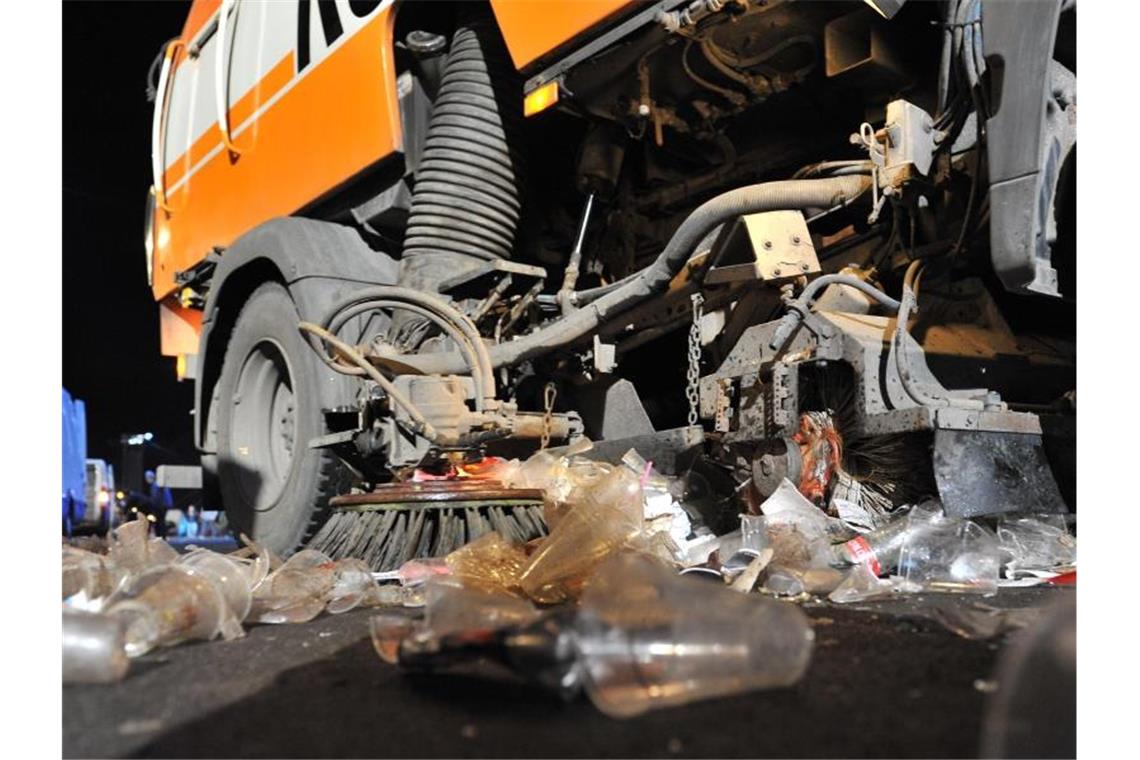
(466, 201)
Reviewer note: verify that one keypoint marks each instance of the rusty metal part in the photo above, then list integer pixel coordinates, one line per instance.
(437, 493)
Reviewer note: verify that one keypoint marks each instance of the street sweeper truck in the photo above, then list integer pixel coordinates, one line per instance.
(754, 240)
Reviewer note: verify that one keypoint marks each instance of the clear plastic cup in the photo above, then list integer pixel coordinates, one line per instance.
(951, 556)
(650, 639)
(232, 578)
(353, 587)
(169, 605)
(453, 607)
(93, 648)
(607, 518)
(297, 591)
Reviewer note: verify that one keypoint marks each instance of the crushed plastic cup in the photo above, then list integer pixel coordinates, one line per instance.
(650, 639)
(607, 518)
(134, 551)
(1037, 542)
(168, 605)
(230, 575)
(490, 561)
(452, 606)
(257, 560)
(353, 586)
(93, 648)
(89, 579)
(297, 591)
(951, 556)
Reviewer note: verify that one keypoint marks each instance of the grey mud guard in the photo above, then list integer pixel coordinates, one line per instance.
(986, 473)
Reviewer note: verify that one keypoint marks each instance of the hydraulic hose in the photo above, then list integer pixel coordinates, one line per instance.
(478, 362)
(419, 423)
(798, 308)
(654, 279)
(461, 340)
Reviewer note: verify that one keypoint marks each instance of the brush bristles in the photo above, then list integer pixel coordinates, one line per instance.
(387, 538)
(894, 469)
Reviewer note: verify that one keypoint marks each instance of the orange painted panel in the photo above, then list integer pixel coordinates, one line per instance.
(340, 117)
(179, 328)
(200, 13)
(533, 28)
(269, 86)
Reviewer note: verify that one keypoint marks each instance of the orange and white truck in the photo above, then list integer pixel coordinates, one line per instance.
(390, 238)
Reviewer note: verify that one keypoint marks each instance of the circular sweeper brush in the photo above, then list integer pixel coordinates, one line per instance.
(397, 522)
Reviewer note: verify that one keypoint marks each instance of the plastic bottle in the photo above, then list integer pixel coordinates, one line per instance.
(880, 548)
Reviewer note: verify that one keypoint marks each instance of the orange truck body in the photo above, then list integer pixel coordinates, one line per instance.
(304, 117)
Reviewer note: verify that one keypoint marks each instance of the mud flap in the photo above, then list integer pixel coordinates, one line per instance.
(981, 473)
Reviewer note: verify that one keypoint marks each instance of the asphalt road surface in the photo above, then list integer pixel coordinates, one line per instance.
(886, 680)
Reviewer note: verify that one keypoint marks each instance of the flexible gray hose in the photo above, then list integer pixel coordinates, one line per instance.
(798, 309)
(420, 423)
(654, 279)
(443, 311)
(453, 332)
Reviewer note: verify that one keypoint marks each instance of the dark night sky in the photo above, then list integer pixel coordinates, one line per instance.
(110, 321)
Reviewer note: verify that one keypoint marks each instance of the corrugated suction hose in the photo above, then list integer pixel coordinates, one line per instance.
(466, 201)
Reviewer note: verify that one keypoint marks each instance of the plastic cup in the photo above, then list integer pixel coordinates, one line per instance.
(951, 556)
(650, 639)
(92, 648)
(169, 605)
(231, 576)
(607, 519)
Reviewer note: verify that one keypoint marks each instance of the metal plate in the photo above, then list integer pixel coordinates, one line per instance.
(987, 473)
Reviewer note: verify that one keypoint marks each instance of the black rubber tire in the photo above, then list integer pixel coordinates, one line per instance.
(274, 488)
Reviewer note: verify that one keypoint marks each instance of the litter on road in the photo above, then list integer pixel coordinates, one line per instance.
(630, 598)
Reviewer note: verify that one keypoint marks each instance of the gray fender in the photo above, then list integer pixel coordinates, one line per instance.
(319, 262)
(1028, 139)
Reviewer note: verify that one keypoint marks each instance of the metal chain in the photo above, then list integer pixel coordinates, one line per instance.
(549, 393)
(692, 391)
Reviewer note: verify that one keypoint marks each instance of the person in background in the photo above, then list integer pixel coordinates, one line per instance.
(160, 501)
(191, 526)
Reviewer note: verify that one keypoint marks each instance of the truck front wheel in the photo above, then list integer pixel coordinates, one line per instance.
(274, 487)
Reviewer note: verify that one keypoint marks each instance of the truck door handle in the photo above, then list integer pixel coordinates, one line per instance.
(222, 76)
(158, 127)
